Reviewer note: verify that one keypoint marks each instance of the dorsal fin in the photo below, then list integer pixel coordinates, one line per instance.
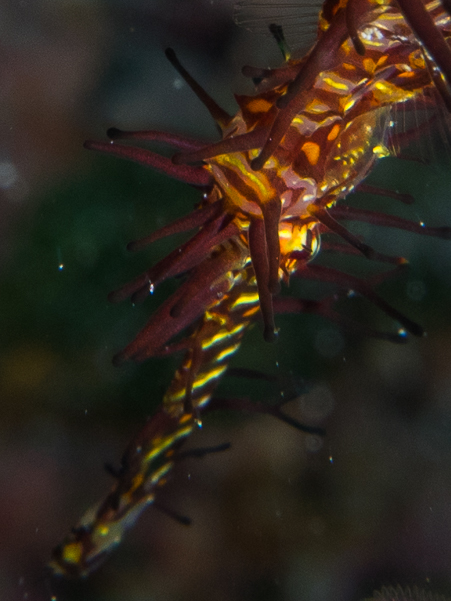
(299, 21)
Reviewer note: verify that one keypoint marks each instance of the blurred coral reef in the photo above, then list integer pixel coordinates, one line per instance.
(280, 516)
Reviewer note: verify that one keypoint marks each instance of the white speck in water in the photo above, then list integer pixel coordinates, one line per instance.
(8, 174)
(331, 459)
(422, 224)
(178, 83)
(151, 288)
(59, 258)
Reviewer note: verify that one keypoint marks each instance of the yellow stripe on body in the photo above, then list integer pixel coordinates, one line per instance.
(245, 299)
(168, 441)
(248, 190)
(228, 352)
(206, 378)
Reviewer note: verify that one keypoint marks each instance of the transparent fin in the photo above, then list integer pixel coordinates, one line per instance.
(299, 21)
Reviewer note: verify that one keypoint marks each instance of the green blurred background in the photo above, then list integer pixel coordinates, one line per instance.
(280, 516)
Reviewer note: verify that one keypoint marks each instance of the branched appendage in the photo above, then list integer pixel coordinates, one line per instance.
(271, 185)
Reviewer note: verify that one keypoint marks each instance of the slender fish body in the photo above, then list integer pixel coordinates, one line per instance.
(309, 136)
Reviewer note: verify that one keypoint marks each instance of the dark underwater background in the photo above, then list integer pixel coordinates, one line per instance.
(281, 515)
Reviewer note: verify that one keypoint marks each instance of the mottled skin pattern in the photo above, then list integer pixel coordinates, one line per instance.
(307, 139)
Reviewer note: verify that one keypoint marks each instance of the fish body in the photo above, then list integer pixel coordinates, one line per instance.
(314, 130)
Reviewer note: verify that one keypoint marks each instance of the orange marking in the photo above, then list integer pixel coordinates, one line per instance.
(259, 105)
(369, 65)
(333, 132)
(312, 152)
(251, 311)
